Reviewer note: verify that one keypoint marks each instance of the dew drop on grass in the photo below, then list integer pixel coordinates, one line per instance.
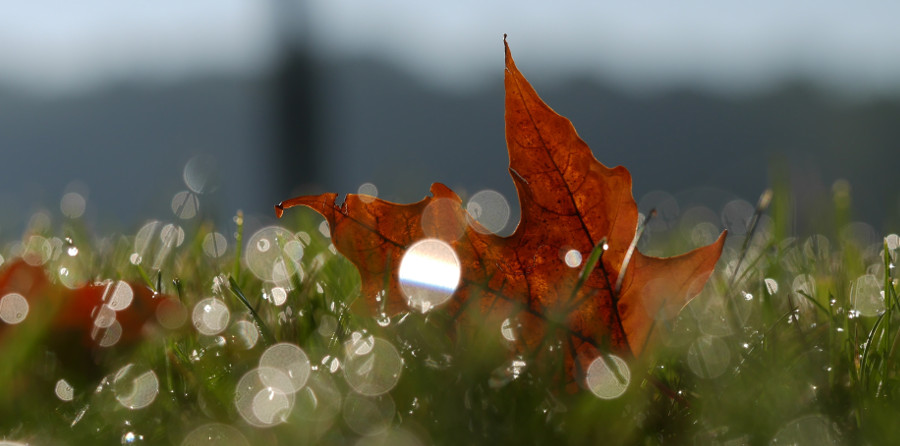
(372, 366)
(429, 274)
(135, 390)
(215, 434)
(368, 415)
(13, 308)
(708, 357)
(490, 209)
(289, 359)
(210, 316)
(608, 377)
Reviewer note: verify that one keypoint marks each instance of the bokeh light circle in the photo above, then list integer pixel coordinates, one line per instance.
(429, 274)
(135, 390)
(263, 397)
(121, 296)
(608, 377)
(372, 365)
(210, 316)
(442, 219)
(867, 296)
(708, 357)
(490, 209)
(72, 205)
(289, 359)
(185, 205)
(64, 390)
(369, 415)
(273, 254)
(215, 244)
(171, 313)
(13, 308)
(215, 434)
(200, 174)
(367, 192)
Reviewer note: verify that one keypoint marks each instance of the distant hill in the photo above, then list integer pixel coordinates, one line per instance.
(129, 143)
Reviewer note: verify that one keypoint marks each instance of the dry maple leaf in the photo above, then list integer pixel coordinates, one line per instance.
(570, 203)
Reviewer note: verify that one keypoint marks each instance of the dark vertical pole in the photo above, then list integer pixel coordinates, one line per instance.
(294, 88)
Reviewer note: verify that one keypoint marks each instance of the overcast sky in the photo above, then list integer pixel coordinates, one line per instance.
(63, 46)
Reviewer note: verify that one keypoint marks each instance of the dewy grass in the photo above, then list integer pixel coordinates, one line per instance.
(793, 341)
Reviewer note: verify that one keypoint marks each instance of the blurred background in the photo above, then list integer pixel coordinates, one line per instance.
(117, 112)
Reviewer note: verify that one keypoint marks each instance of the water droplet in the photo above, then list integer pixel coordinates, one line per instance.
(429, 274)
(608, 377)
(490, 210)
(13, 308)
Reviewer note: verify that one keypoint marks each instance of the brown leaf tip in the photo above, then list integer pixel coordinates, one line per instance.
(279, 210)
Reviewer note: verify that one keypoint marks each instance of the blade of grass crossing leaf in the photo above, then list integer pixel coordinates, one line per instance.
(260, 325)
(630, 251)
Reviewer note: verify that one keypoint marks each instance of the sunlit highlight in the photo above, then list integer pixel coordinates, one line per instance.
(429, 274)
(210, 316)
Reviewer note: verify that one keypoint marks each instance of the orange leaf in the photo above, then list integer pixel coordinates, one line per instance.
(569, 202)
